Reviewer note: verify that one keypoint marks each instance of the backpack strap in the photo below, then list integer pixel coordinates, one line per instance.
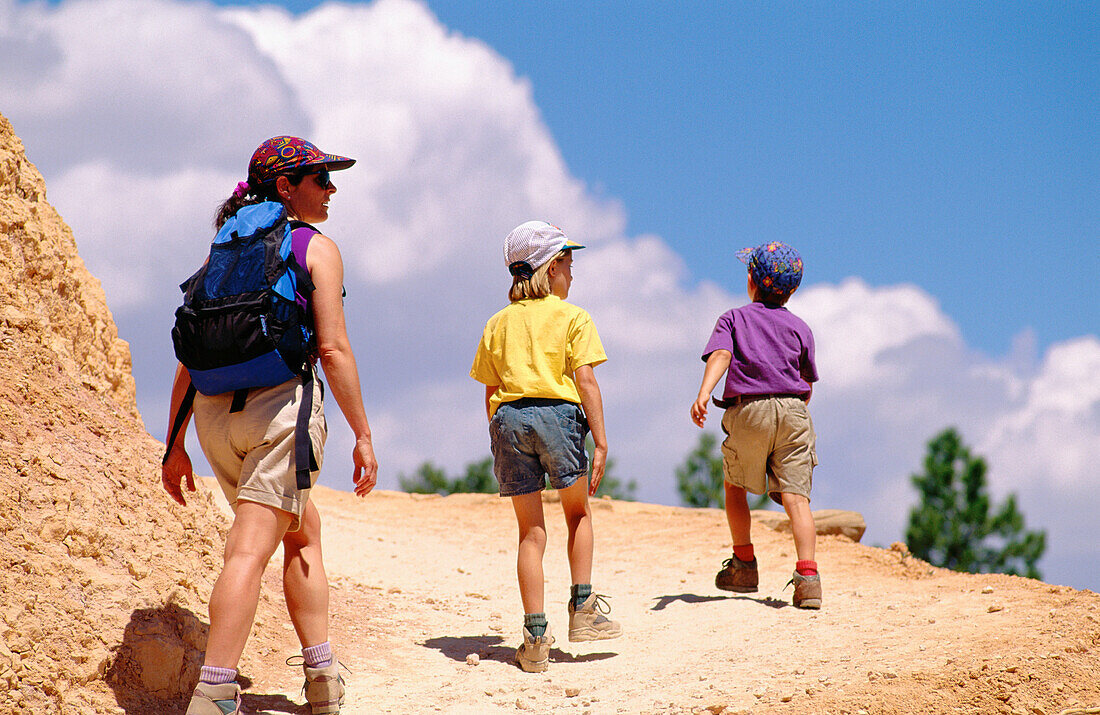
(239, 396)
(177, 422)
(304, 459)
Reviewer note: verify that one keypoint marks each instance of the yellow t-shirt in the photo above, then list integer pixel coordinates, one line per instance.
(532, 348)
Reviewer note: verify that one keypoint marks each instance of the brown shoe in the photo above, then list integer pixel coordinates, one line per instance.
(324, 689)
(224, 699)
(590, 622)
(807, 591)
(738, 575)
(534, 655)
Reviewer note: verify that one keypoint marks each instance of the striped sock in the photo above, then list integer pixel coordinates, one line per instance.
(213, 675)
(318, 656)
(535, 623)
(806, 568)
(580, 592)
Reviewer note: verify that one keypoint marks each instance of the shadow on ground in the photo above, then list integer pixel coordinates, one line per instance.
(664, 602)
(493, 648)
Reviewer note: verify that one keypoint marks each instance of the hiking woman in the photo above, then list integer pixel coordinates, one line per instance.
(249, 439)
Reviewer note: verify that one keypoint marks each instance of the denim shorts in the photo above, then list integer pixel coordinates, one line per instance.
(533, 438)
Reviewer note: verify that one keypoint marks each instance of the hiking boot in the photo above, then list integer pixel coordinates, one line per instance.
(224, 699)
(324, 688)
(738, 575)
(534, 655)
(588, 623)
(807, 590)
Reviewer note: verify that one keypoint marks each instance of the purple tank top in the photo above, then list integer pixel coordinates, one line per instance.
(299, 245)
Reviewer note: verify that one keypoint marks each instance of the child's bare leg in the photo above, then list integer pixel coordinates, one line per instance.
(737, 514)
(532, 545)
(578, 519)
(802, 525)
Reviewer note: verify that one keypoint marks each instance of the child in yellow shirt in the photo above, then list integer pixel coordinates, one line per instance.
(536, 360)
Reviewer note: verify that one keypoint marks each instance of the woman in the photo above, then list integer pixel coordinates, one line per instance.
(251, 450)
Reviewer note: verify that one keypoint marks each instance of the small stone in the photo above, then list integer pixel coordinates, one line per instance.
(521, 705)
(888, 674)
(987, 590)
(786, 698)
(572, 692)
(994, 608)
(716, 709)
(473, 659)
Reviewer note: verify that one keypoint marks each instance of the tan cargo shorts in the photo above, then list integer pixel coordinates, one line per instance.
(770, 446)
(252, 451)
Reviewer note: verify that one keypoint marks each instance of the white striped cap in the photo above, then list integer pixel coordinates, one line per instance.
(532, 244)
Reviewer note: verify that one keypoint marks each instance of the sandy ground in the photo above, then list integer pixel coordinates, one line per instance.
(421, 583)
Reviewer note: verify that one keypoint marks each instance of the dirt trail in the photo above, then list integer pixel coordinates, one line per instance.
(420, 583)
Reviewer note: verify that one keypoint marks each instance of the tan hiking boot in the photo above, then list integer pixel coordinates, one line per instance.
(807, 590)
(534, 655)
(737, 575)
(224, 699)
(324, 688)
(588, 623)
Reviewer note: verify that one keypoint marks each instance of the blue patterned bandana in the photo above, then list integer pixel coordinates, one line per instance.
(776, 268)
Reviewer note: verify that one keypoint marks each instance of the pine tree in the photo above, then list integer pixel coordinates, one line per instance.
(953, 526)
(429, 479)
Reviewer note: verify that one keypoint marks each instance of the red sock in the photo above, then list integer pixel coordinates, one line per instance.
(744, 552)
(806, 568)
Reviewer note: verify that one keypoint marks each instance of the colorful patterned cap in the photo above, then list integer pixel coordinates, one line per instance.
(776, 268)
(532, 244)
(281, 155)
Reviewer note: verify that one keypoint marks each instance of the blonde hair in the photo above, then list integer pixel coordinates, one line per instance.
(538, 285)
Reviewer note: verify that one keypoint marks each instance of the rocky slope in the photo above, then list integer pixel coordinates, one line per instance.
(103, 577)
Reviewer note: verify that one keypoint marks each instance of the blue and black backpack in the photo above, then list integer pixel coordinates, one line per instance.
(245, 321)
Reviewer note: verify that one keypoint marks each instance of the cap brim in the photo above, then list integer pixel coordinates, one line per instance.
(336, 163)
(573, 245)
(745, 255)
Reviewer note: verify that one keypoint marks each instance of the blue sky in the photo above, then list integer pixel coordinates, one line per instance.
(951, 145)
(936, 165)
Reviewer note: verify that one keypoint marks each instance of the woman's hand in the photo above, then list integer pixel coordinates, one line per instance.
(173, 472)
(366, 467)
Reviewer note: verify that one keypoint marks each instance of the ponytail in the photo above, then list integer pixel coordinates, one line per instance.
(248, 193)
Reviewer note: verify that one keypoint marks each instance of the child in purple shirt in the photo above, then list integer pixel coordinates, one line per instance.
(767, 354)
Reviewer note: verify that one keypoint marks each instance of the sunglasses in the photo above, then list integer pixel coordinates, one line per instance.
(321, 177)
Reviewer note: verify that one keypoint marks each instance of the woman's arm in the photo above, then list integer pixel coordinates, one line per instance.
(177, 466)
(592, 402)
(326, 268)
(717, 363)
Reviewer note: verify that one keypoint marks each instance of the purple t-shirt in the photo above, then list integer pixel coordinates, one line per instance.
(772, 349)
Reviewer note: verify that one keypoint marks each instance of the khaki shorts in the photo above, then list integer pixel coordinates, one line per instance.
(252, 451)
(770, 446)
